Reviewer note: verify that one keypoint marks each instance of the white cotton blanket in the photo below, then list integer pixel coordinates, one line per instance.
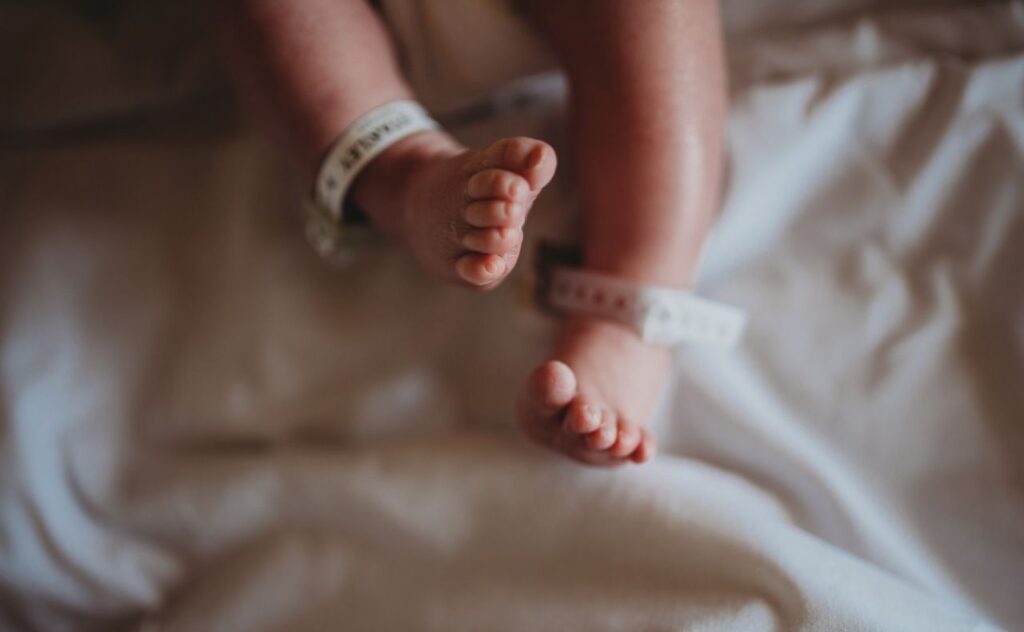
(202, 428)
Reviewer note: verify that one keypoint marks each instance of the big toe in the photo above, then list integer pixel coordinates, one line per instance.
(533, 159)
(549, 389)
(482, 271)
(583, 416)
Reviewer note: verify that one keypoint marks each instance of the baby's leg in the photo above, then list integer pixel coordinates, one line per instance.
(314, 66)
(648, 102)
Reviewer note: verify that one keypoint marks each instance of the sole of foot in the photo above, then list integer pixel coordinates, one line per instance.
(459, 212)
(591, 402)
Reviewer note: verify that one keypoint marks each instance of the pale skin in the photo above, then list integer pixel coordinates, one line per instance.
(647, 105)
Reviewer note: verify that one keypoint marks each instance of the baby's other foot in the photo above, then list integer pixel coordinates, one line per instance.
(593, 400)
(459, 212)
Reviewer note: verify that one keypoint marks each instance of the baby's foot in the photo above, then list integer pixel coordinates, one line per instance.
(591, 401)
(459, 212)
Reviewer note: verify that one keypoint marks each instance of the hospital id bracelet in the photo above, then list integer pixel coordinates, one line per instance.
(360, 143)
(659, 315)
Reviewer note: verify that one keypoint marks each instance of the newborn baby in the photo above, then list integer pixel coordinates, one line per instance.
(647, 104)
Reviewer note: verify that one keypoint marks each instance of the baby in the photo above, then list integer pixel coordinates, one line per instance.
(646, 121)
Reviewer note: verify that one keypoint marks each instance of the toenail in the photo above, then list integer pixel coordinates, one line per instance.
(591, 413)
(515, 189)
(535, 157)
(493, 266)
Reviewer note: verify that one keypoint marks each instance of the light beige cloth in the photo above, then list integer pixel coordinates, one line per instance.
(202, 428)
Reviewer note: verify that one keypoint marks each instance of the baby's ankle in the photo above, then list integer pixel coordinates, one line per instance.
(381, 188)
(581, 328)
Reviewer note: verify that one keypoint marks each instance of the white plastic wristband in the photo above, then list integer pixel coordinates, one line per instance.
(659, 315)
(360, 143)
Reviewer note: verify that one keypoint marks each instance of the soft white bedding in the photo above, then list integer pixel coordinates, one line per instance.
(205, 429)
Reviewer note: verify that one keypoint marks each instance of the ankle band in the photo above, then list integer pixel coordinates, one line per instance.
(659, 315)
(359, 143)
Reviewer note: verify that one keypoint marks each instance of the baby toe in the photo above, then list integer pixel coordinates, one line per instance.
(480, 270)
(604, 437)
(510, 153)
(582, 417)
(551, 386)
(548, 390)
(498, 184)
(533, 159)
(628, 440)
(495, 241)
(645, 451)
(541, 166)
(495, 213)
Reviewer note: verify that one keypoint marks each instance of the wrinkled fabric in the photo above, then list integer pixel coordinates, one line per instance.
(204, 428)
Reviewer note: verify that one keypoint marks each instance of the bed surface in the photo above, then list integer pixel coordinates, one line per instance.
(203, 428)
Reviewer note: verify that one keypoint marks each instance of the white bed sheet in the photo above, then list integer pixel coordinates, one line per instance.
(205, 429)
